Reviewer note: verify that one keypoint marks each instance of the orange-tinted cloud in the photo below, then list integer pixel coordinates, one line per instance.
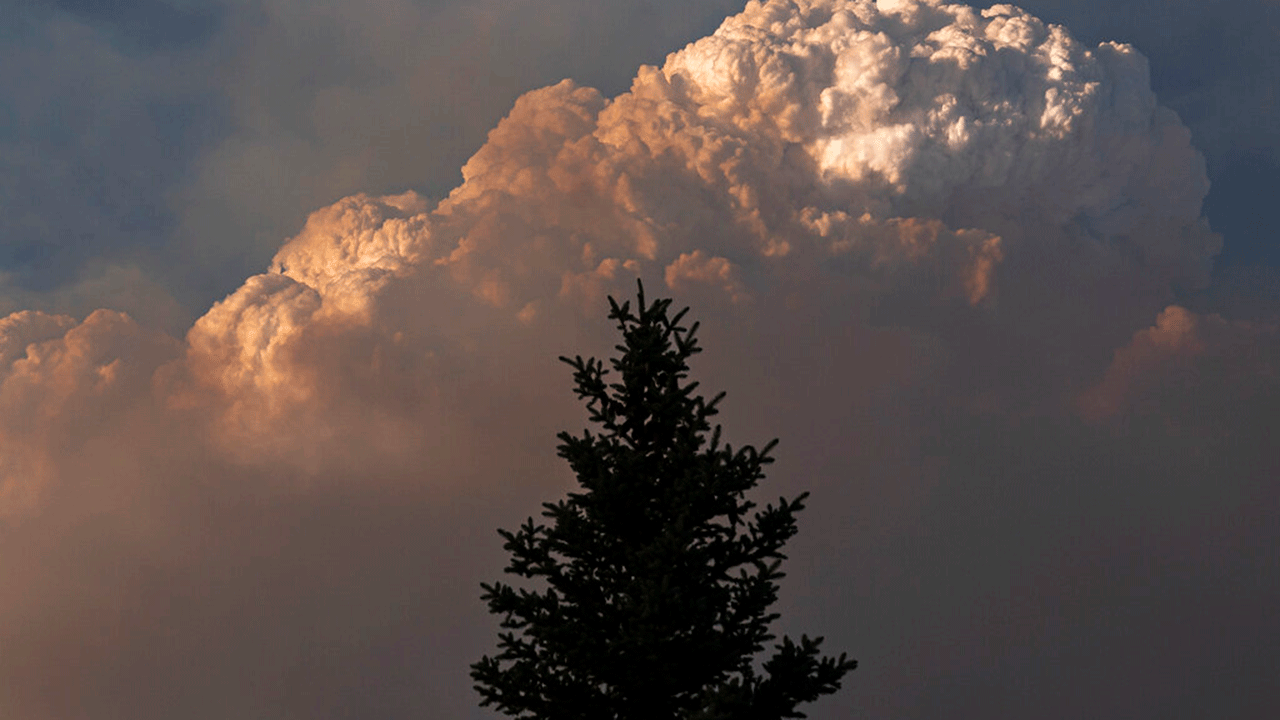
(1192, 373)
(65, 385)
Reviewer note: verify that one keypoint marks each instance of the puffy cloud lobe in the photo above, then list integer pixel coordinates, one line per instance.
(242, 351)
(696, 268)
(347, 250)
(21, 330)
(63, 385)
(1192, 372)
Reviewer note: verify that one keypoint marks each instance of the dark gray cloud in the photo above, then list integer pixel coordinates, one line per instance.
(95, 133)
(144, 26)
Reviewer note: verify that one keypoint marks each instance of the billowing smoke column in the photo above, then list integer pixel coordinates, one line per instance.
(930, 165)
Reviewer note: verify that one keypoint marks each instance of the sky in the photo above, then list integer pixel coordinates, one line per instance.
(283, 285)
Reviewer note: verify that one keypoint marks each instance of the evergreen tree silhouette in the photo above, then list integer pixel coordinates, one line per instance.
(653, 585)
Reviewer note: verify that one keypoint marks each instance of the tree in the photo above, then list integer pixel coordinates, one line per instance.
(653, 584)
